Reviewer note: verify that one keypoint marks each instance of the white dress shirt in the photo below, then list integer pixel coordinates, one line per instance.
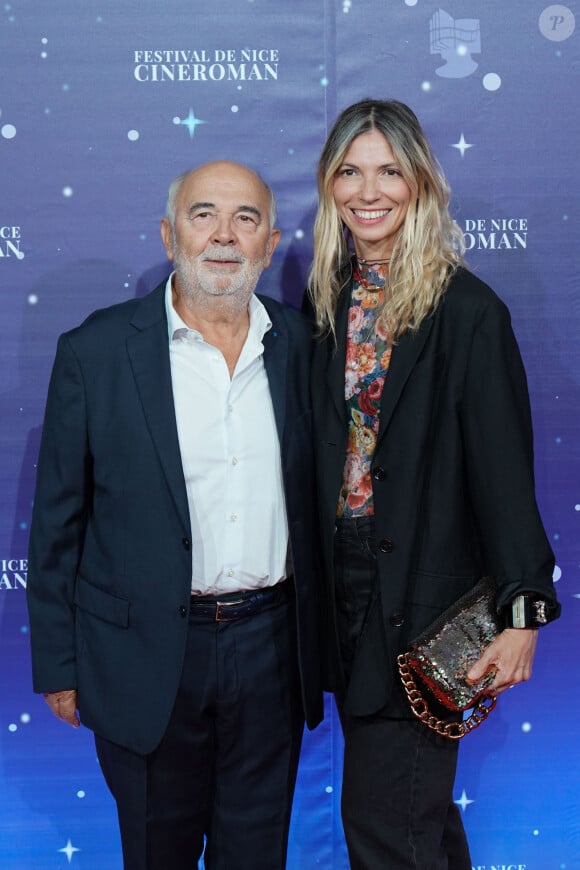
(230, 455)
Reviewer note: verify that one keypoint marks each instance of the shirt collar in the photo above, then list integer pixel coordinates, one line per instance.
(260, 321)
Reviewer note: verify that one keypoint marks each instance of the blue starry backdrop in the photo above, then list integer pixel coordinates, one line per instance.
(102, 103)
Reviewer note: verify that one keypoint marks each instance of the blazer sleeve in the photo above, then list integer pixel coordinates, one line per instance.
(61, 505)
(498, 449)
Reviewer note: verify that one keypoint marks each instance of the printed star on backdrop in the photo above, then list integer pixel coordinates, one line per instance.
(463, 801)
(462, 145)
(191, 122)
(69, 850)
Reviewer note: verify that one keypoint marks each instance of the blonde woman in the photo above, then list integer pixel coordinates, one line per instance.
(425, 473)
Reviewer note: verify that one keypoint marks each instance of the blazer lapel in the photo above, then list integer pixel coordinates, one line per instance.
(148, 349)
(404, 356)
(336, 360)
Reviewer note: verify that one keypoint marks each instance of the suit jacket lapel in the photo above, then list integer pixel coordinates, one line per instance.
(404, 357)
(275, 343)
(337, 356)
(148, 349)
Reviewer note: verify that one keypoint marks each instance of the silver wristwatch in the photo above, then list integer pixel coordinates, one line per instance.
(528, 611)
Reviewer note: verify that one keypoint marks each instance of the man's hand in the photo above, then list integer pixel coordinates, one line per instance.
(64, 706)
(511, 655)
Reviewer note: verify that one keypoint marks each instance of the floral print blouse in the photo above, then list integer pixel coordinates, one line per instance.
(367, 362)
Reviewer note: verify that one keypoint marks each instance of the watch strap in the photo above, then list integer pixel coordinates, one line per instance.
(528, 611)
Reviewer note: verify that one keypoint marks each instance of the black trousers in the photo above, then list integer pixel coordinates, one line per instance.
(397, 792)
(225, 771)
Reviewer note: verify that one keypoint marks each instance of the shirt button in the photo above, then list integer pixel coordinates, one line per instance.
(230, 408)
(234, 460)
(182, 610)
(230, 573)
(186, 543)
(233, 517)
(397, 620)
(386, 545)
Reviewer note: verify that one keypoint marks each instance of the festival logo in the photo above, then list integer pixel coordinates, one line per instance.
(205, 65)
(10, 238)
(500, 866)
(455, 40)
(495, 234)
(13, 573)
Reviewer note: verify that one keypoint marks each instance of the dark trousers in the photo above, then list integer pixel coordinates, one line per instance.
(226, 767)
(397, 792)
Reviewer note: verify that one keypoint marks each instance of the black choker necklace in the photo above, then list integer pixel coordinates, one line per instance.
(373, 262)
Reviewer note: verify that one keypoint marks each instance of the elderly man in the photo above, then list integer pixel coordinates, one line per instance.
(171, 585)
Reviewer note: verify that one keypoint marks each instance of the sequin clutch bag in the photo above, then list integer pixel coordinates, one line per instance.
(441, 656)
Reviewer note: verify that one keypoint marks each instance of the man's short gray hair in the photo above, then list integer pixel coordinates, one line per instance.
(177, 182)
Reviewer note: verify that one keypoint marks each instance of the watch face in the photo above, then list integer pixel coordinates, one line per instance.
(519, 612)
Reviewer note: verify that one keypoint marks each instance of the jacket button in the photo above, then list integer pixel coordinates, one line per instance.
(182, 610)
(379, 473)
(397, 619)
(186, 543)
(386, 545)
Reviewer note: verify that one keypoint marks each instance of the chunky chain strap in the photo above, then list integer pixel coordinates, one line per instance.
(419, 706)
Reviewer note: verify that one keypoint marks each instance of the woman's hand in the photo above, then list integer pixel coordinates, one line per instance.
(510, 655)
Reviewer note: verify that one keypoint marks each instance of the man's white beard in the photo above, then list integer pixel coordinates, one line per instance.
(202, 288)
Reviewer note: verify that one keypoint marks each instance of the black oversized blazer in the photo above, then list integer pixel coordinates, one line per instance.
(452, 476)
(109, 576)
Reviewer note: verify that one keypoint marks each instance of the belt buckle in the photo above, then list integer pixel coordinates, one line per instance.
(218, 607)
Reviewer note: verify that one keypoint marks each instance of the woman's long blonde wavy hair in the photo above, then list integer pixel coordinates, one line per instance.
(429, 246)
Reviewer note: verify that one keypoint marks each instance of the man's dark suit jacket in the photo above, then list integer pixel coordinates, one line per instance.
(110, 548)
(452, 477)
